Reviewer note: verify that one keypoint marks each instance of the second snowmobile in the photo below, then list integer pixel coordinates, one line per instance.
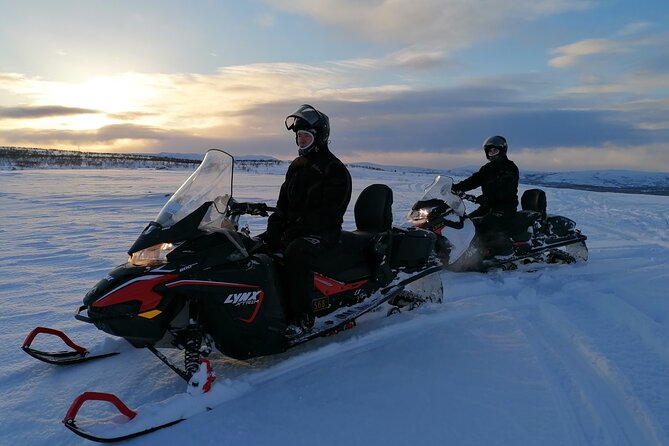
(537, 237)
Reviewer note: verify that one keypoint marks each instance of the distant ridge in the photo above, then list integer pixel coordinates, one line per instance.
(621, 181)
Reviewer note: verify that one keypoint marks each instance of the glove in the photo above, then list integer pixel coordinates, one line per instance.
(270, 239)
(290, 234)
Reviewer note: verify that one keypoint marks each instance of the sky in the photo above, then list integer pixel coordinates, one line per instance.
(571, 84)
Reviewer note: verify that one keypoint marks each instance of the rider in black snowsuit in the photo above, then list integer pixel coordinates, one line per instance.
(309, 212)
(498, 180)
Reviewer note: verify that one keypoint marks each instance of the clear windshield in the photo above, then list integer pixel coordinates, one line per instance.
(440, 189)
(212, 181)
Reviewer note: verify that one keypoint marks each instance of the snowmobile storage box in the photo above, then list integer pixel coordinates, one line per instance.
(411, 247)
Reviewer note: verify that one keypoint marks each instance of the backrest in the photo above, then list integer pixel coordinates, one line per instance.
(534, 200)
(373, 209)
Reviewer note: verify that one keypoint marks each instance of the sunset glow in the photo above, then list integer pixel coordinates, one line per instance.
(570, 84)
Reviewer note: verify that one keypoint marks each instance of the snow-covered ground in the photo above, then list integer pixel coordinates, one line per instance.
(564, 355)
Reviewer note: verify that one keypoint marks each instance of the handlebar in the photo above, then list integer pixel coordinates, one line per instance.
(465, 196)
(261, 209)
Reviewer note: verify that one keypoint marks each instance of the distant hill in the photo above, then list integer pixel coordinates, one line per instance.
(623, 181)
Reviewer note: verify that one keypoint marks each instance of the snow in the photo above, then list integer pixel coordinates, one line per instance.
(562, 355)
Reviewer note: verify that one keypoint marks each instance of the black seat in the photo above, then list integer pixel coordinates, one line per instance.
(533, 204)
(350, 259)
(534, 200)
(374, 209)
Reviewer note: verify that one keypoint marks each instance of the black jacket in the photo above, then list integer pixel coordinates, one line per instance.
(313, 199)
(498, 181)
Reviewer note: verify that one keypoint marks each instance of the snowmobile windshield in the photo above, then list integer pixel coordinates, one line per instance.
(211, 182)
(440, 189)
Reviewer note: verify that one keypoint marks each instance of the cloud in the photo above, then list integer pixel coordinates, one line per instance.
(451, 124)
(572, 54)
(434, 23)
(635, 83)
(634, 28)
(102, 135)
(242, 109)
(7, 80)
(632, 45)
(406, 59)
(32, 112)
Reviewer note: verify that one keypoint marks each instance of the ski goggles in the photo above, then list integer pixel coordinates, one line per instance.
(491, 150)
(305, 117)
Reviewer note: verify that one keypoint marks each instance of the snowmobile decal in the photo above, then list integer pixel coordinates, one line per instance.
(250, 298)
(150, 314)
(329, 286)
(138, 289)
(254, 297)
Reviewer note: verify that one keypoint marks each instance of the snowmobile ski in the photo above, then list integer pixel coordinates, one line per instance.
(70, 422)
(114, 430)
(77, 355)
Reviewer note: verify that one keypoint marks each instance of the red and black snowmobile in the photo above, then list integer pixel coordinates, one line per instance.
(194, 281)
(536, 236)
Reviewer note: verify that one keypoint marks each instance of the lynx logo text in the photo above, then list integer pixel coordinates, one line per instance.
(247, 298)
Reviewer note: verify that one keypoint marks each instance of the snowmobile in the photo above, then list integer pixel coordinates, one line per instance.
(536, 236)
(196, 282)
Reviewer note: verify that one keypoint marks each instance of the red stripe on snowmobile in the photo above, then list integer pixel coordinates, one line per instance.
(208, 283)
(261, 295)
(328, 286)
(140, 289)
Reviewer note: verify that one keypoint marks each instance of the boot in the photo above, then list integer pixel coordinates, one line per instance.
(300, 326)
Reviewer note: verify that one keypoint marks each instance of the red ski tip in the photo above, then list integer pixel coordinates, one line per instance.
(97, 396)
(31, 337)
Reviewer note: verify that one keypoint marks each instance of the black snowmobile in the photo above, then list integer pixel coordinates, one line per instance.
(194, 281)
(536, 236)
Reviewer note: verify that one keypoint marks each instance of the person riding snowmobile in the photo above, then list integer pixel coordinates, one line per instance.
(309, 211)
(498, 180)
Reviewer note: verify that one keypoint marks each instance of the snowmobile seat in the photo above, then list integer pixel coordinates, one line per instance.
(349, 260)
(353, 257)
(522, 221)
(534, 200)
(533, 204)
(373, 209)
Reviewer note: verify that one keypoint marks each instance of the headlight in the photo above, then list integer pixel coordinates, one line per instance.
(418, 217)
(153, 255)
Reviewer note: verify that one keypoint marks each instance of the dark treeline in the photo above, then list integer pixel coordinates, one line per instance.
(36, 158)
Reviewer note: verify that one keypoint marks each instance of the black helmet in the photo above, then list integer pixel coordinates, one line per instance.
(495, 142)
(308, 118)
